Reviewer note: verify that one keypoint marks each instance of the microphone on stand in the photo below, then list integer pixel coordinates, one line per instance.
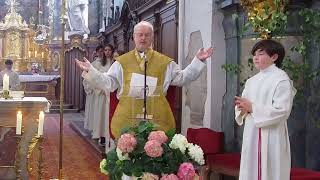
(144, 58)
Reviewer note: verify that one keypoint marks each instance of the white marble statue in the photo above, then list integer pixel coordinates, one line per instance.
(78, 16)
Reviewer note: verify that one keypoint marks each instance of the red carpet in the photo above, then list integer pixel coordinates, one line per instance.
(79, 160)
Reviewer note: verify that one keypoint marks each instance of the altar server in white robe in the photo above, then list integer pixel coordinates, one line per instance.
(119, 74)
(264, 107)
(14, 82)
(97, 101)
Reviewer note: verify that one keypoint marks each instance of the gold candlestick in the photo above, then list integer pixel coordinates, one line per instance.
(40, 160)
(18, 158)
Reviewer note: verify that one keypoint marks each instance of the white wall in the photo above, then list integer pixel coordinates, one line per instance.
(201, 26)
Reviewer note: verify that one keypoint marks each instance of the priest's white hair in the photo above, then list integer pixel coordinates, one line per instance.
(143, 23)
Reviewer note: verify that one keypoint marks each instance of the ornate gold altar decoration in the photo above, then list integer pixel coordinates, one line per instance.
(266, 16)
(18, 42)
(38, 51)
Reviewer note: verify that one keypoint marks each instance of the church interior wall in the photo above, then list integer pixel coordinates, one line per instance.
(197, 27)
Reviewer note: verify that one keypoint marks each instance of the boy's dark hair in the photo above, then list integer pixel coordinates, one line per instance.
(271, 47)
(8, 62)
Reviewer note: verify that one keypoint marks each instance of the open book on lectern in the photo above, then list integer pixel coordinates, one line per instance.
(137, 85)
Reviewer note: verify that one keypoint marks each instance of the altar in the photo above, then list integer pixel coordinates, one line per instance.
(40, 85)
(20, 147)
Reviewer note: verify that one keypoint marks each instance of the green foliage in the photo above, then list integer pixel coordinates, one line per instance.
(267, 18)
(303, 71)
(311, 25)
(236, 70)
(233, 68)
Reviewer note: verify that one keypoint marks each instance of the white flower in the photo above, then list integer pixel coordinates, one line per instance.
(179, 142)
(196, 153)
(122, 156)
(102, 164)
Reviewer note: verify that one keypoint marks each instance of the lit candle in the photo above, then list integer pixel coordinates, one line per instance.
(5, 82)
(29, 53)
(19, 123)
(42, 54)
(35, 53)
(40, 123)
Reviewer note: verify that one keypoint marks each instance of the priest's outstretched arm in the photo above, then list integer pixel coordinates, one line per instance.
(113, 79)
(106, 81)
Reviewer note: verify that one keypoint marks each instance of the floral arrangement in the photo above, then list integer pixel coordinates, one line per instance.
(146, 153)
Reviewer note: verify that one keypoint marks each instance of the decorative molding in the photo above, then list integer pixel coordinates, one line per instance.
(76, 42)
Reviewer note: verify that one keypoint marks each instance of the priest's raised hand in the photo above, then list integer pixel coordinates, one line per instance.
(203, 54)
(83, 65)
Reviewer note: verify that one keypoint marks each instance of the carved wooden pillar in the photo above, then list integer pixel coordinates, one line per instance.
(74, 92)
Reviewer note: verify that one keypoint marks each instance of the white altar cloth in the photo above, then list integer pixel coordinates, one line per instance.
(37, 78)
(26, 100)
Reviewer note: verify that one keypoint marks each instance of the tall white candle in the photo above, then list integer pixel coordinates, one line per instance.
(40, 123)
(19, 123)
(5, 82)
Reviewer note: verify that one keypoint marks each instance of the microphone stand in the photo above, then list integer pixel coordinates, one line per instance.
(145, 88)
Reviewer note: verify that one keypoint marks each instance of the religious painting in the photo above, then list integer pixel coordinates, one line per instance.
(55, 59)
(8, 146)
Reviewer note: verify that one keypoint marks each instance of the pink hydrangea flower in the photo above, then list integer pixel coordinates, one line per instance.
(159, 136)
(169, 177)
(153, 148)
(127, 143)
(186, 171)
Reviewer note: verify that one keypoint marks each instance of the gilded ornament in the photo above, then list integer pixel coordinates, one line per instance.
(261, 15)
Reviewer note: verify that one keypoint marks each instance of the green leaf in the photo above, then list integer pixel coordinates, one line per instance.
(170, 133)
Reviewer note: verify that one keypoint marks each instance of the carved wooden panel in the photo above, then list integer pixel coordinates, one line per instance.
(74, 92)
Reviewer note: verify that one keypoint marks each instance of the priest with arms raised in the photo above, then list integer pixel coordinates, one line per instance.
(264, 107)
(159, 66)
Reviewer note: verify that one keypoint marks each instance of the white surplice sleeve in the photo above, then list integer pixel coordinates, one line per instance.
(281, 107)
(177, 77)
(240, 116)
(108, 81)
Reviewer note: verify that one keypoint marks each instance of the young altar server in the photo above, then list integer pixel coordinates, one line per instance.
(265, 106)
